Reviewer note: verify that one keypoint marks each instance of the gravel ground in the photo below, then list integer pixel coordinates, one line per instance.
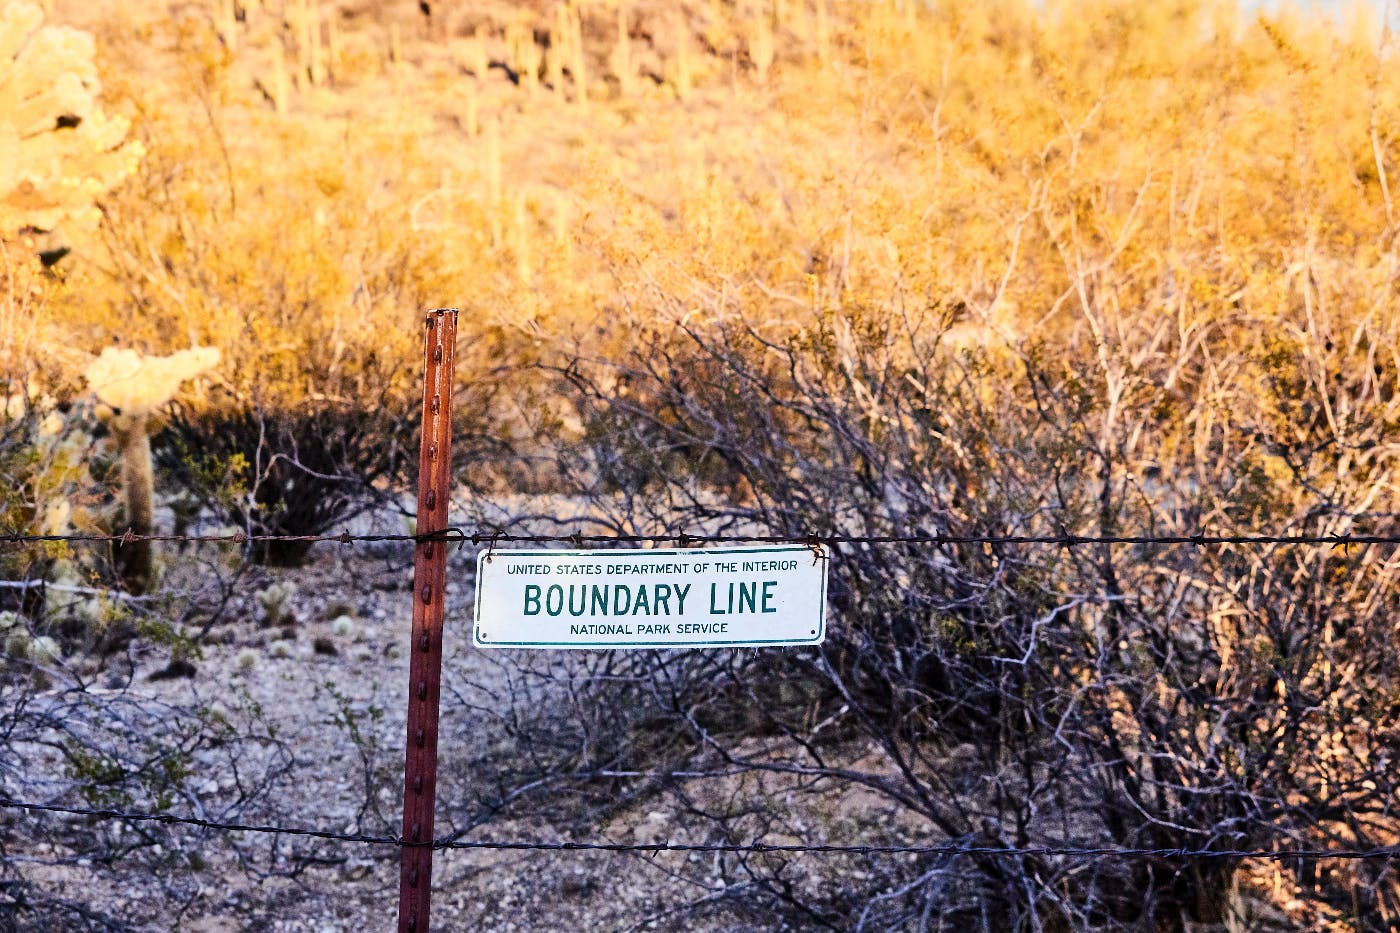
(332, 651)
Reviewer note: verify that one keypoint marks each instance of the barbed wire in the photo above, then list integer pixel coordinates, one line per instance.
(755, 848)
(494, 538)
(462, 537)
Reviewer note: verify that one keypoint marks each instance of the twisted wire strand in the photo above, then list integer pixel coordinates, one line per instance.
(946, 849)
(462, 537)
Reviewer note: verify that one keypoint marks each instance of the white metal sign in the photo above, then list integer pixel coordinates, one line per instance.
(659, 598)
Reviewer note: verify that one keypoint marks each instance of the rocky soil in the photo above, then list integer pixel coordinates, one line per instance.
(308, 668)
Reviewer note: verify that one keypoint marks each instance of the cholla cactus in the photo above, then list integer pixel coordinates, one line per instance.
(43, 465)
(274, 601)
(134, 386)
(17, 642)
(13, 635)
(58, 151)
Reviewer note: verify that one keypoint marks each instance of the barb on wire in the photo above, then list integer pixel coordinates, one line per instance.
(948, 848)
(808, 539)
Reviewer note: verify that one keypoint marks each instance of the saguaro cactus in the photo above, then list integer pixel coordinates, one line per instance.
(132, 387)
(58, 150)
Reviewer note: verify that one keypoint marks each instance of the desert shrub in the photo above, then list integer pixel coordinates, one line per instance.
(113, 747)
(1018, 695)
(287, 472)
(18, 455)
(1015, 319)
(47, 474)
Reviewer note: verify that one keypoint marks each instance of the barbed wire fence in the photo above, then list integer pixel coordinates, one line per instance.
(754, 848)
(461, 537)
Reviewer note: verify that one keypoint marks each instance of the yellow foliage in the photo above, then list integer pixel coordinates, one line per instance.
(1119, 174)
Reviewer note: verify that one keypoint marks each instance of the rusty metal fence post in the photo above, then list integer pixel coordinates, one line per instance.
(425, 656)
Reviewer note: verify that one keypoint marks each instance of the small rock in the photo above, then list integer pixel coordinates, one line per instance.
(175, 669)
(323, 645)
(355, 869)
(576, 887)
